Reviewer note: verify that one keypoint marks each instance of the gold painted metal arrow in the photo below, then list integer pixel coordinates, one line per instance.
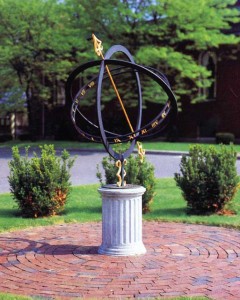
(98, 48)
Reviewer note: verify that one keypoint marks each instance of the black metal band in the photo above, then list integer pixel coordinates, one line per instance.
(166, 115)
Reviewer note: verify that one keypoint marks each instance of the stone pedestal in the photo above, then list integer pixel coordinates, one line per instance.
(122, 220)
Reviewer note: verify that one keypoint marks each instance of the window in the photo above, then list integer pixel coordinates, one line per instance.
(209, 60)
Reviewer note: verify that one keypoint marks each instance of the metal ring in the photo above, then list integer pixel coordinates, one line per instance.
(114, 154)
(166, 115)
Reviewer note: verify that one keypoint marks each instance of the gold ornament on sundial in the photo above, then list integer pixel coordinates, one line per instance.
(98, 48)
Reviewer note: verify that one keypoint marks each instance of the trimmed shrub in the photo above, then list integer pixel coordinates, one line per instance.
(208, 178)
(40, 185)
(225, 138)
(139, 173)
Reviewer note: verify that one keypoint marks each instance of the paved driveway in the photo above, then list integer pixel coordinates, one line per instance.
(84, 169)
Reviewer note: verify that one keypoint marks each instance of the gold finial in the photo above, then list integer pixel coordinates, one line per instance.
(141, 151)
(97, 44)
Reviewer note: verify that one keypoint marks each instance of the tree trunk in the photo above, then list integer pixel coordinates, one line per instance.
(33, 113)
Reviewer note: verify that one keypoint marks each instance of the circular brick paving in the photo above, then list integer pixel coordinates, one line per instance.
(62, 261)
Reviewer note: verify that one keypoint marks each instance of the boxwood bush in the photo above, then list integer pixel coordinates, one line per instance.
(225, 138)
(139, 173)
(208, 178)
(40, 185)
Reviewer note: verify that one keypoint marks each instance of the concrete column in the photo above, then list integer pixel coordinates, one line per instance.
(122, 220)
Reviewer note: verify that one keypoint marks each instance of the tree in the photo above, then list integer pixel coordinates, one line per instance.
(179, 31)
(41, 41)
(37, 49)
(166, 34)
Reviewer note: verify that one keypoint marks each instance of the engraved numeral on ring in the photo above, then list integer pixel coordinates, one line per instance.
(83, 92)
(164, 114)
(154, 124)
(91, 84)
(131, 137)
(117, 141)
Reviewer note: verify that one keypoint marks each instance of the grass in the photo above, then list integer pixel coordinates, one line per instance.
(167, 146)
(169, 205)
(4, 296)
(57, 144)
(84, 205)
(156, 145)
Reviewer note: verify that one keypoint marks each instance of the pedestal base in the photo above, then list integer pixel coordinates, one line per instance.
(122, 250)
(122, 221)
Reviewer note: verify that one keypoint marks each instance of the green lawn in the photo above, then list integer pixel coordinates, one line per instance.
(167, 146)
(84, 205)
(169, 205)
(4, 296)
(57, 144)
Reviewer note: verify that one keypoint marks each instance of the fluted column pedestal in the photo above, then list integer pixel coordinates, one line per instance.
(122, 220)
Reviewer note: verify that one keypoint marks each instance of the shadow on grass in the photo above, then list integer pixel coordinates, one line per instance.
(13, 213)
(86, 209)
(169, 212)
(9, 213)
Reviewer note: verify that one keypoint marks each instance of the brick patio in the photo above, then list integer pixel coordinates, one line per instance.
(61, 261)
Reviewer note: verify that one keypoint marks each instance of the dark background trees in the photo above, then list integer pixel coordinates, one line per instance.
(41, 41)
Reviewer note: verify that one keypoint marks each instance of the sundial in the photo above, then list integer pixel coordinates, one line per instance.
(92, 78)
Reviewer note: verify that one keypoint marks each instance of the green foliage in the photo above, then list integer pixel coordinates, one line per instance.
(165, 34)
(40, 185)
(208, 178)
(33, 37)
(225, 138)
(41, 41)
(179, 29)
(36, 52)
(139, 173)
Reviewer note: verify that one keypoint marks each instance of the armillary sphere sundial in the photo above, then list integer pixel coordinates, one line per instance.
(109, 72)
